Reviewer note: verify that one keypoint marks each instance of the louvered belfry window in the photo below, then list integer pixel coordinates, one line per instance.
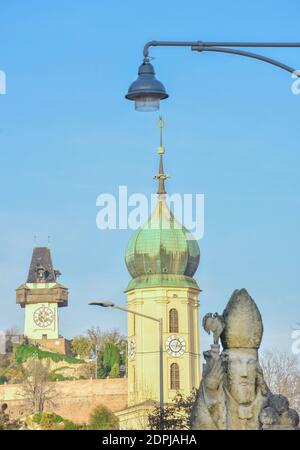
(173, 321)
(174, 376)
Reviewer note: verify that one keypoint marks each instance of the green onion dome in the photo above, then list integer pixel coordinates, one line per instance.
(162, 252)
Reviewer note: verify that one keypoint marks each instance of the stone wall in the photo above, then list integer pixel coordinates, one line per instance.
(74, 400)
(60, 345)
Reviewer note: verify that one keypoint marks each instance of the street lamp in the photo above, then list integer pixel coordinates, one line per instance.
(108, 304)
(146, 91)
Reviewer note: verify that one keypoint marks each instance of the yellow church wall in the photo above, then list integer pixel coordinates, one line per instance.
(143, 370)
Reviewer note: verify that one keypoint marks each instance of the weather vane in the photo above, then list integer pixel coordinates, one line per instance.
(161, 176)
(161, 125)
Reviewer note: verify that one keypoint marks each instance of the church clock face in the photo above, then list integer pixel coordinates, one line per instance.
(175, 345)
(132, 348)
(43, 317)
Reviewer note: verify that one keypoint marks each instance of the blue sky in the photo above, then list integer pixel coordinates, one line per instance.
(67, 135)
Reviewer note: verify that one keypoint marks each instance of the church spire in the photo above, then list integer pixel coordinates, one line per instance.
(161, 176)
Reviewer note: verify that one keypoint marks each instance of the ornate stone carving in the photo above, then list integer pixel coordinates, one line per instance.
(233, 393)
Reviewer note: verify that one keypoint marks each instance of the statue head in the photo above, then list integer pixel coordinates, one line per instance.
(242, 373)
(241, 339)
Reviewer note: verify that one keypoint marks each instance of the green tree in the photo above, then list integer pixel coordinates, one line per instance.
(101, 370)
(103, 418)
(81, 346)
(115, 371)
(111, 356)
(100, 340)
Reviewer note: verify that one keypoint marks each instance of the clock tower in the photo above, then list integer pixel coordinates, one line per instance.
(162, 258)
(41, 296)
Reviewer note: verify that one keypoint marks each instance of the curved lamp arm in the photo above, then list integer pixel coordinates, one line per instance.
(233, 51)
(224, 47)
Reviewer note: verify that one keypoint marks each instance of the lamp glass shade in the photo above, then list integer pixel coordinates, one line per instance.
(147, 104)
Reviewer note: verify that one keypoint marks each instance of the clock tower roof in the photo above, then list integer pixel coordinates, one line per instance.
(42, 284)
(41, 267)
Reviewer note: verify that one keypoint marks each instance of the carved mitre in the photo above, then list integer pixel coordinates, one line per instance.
(243, 322)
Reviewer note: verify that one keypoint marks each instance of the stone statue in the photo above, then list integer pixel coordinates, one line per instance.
(233, 394)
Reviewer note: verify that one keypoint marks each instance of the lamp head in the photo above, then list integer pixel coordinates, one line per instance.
(103, 304)
(146, 91)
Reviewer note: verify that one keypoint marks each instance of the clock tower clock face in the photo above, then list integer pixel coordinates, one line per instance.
(175, 346)
(132, 348)
(43, 317)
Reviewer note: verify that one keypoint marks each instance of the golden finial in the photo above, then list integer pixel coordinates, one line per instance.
(161, 176)
(161, 125)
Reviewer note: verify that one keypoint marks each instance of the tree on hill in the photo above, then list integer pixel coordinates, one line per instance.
(81, 346)
(109, 346)
(36, 388)
(100, 338)
(11, 335)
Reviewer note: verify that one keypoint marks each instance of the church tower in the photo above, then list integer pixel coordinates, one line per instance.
(41, 296)
(162, 258)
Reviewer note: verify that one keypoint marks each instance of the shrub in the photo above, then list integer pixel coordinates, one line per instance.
(49, 421)
(56, 377)
(37, 417)
(3, 379)
(103, 418)
(69, 425)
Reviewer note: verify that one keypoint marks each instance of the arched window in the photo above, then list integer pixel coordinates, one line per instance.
(173, 321)
(174, 376)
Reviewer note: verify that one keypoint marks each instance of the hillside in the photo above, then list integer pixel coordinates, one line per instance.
(61, 367)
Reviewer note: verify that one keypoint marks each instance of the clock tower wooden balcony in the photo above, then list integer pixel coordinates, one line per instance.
(55, 294)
